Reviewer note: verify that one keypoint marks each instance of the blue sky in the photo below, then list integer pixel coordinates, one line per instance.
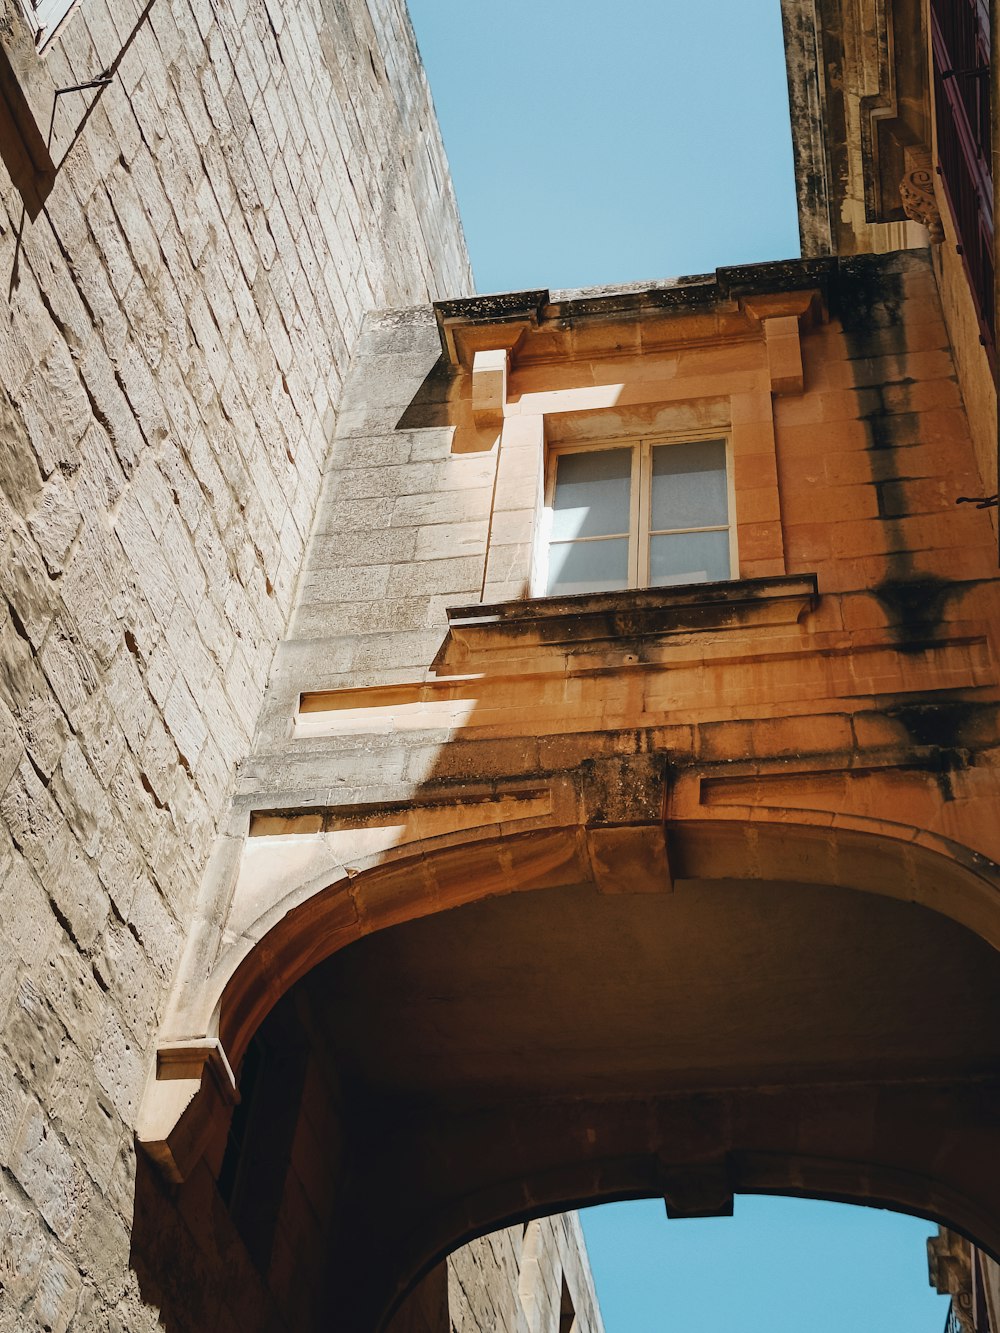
(590, 144)
(594, 143)
(775, 1266)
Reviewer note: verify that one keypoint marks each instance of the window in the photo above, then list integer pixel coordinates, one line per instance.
(44, 16)
(641, 515)
(960, 43)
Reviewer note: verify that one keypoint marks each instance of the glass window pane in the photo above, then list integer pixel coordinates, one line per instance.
(588, 566)
(592, 494)
(688, 557)
(47, 13)
(689, 485)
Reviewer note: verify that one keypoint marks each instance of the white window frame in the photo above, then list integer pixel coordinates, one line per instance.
(639, 532)
(44, 16)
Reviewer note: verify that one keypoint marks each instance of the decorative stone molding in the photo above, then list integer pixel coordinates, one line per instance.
(950, 1260)
(482, 323)
(534, 326)
(916, 190)
(195, 1091)
(638, 613)
(857, 81)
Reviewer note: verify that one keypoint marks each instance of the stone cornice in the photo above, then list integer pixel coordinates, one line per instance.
(513, 321)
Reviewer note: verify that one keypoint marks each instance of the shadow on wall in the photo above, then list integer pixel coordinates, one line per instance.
(191, 1263)
(199, 1249)
(27, 132)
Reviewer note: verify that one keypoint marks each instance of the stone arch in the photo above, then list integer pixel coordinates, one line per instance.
(895, 1107)
(317, 917)
(424, 876)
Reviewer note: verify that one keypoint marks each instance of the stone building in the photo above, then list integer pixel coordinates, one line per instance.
(200, 203)
(461, 758)
(894, 126)
(894, 136)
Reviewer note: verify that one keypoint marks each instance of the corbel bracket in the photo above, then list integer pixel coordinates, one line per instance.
(701, 1189)
(489, 386)
(176, 1124)
(916, 190)
(781, 317)
(484, 323)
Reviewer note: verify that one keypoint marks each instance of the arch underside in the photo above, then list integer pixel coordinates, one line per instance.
(422, 878)
(737, 1006)
(526, 1053)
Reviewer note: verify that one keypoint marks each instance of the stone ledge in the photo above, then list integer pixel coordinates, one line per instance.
(638, 612)
(508, 319)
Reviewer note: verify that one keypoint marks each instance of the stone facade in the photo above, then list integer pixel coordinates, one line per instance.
(477, 823)
(960, 1270)
(868, 162)
(183, 288)
(512, 902)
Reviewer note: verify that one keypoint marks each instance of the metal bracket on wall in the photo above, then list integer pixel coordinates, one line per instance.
(101, 81)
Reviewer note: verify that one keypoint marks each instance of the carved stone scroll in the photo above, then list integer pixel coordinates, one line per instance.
(916, 190)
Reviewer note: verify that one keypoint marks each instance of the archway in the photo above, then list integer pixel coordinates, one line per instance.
(526, 1052)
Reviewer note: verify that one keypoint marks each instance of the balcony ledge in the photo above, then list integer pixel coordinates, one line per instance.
(637, 612)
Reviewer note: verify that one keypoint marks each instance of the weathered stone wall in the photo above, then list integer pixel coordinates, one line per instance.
(177, 323)
(979, 390)
(533, 1278)
(862, 118)
(858, 112)
(522, 1279)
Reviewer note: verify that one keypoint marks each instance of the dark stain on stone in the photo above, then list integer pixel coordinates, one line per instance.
(914, 604)
(945, 731)
(871, 304)
(914, 601)
(942, 726)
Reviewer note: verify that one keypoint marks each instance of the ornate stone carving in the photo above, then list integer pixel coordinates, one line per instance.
(916, 190)
(950, 1261)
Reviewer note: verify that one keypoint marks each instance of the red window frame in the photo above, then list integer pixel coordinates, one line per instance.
(960, 41)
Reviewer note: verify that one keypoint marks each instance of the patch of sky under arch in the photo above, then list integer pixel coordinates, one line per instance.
(776, 1266)
(595, 143)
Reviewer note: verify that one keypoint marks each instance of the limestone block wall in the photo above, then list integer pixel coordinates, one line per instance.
(531, 1278)
(181, 294)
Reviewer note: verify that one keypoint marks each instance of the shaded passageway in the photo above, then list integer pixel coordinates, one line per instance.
(542, 1050)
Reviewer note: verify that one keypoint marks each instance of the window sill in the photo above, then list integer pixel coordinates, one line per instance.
(636, 613)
